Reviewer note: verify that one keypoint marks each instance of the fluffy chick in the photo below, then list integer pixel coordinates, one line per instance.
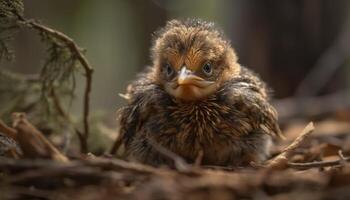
(196, 99)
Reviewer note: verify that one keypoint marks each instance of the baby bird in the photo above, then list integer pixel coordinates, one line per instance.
(196, 99)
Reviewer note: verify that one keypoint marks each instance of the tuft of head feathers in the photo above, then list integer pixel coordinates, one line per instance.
(193, 42)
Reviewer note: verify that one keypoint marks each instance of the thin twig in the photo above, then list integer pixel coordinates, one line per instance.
(117, 165)
(65, 115)
(58, 106)
(218, 167)
(281, 160)
(318, 164)
(118, 140)
(76, 50)
(180, 163)
(341, 155)
(117, 143)
(199, 158)
(96, 162)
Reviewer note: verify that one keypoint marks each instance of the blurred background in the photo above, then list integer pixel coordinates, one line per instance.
(300, 48)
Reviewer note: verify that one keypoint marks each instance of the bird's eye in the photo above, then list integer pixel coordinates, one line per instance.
(207, 69)
(168, 70)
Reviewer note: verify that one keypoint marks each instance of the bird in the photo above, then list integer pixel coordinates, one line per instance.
(196, 101)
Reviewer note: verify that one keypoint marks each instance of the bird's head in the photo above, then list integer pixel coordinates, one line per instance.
(191, 59)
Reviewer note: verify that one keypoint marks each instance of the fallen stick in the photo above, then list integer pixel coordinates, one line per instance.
(102, 164)
(281, 160)
(32, 142)
(117, 143)
(318, 164)
(118, 165)
(179, 163)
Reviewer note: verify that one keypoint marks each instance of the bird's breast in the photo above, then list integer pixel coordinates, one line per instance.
(188, 128)
(200, 119)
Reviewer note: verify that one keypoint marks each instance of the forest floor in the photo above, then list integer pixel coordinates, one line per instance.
(311, 163)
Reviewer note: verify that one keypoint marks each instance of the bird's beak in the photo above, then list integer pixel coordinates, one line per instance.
(187, 77)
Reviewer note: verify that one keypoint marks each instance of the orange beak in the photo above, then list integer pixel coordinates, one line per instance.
(187, 77)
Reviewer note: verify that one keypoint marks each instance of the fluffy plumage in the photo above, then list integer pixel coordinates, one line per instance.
(179, 105)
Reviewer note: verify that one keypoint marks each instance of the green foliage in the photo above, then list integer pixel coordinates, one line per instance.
(60, 66)
(17, 93)
(42, 96)
(8, 25)
(8, 6)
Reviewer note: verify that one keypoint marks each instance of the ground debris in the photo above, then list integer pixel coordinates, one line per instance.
(99, 178)
(313, 167)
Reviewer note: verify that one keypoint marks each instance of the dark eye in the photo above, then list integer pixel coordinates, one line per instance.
(168, 69)
(207, 69)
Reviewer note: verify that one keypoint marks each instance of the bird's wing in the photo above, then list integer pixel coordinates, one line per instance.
(142, 83)
(143, 96)
(250, 98)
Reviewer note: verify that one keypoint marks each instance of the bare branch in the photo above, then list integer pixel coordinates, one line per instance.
(281, 160)
(76, 50)
(180, 163)
(118, 141)
(199, 158)
(341, 155)
(65, 115)
(318, 164)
